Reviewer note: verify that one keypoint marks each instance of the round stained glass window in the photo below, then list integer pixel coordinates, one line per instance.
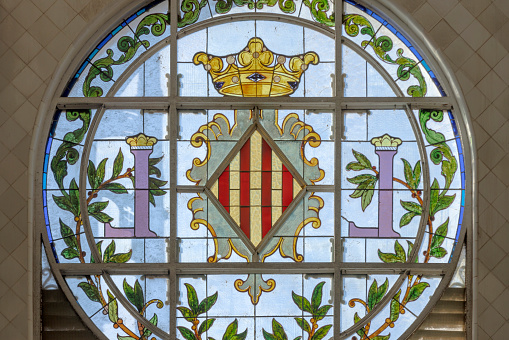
(256, 170)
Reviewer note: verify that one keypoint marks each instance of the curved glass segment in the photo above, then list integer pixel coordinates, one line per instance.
(275, 203)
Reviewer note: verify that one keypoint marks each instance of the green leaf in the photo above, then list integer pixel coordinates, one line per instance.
(102, 217)
(98, 245)
(186, 333)
(99, 178)
(316, 297)
(74, 196)
(355, 166)
(406, 218)
(125, 337)
(139, 299)
(91, 174)
(68, 235)
(91, 291)
(410, 247)
(416, 291)
(439, 236)
(409, 174)
(417, 174)
(433, 196)
(207, 303)
(298, 338)
(147, 332)
(443, 203)
(361, 332)
(320, 314)
(372, 294)
(63, 203)
(361, 178)
(303, 324)
(112, 308)
(118, 164)
(192, 298)
(381, 292)
(129, 292)
(187, 313)
(302, 303)
(367, 196)
(154, 161)
(157, 182)
(278, 330)
(381, 337)
(438, 252)
(97, 207)
(205, 325)
(116, 188)
(70, 253)
(395, 307)
(109, 251)
(240, 336)
(231, 330)
(398, 257)
(321, 332)
(268, 336)
(152, 170)
(412, 207)
(363, 160)
(121, 257)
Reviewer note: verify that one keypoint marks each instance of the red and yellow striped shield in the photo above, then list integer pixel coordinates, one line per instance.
(256, 188)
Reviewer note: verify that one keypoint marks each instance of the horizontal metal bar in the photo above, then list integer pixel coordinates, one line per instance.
(190, 188)
(321, 103)
(247, 268)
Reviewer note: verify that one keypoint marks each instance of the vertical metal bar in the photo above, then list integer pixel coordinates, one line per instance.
(338, 127)
(173, 132)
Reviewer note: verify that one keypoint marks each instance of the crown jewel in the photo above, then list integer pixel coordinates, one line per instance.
(256, 71)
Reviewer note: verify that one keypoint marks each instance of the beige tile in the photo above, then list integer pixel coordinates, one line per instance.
(20, 322)
(11, 237)
(490, 321)
(58, 46)
(93, 8)
(20, 220)
(465, 83)
(477, 102)
(459, 18)
(410, 6)
(25, 116)
(75, 27)
(36, 98)
(10, 30)
(427, 16)
(26, 47)
(502, 303)
(61, 14)
(502, 332)
(481, 136)
(21, 255)
(443, 7)
(475, 35)
(12, 202)
(481, 334)
(501, 35)
(491, 153)
(502, 68)
(492, 52)
(502, 137)
(10, 65)
(502, 102)
(9, 5)
(491, 187)
(27, 82)
(3, 322)
(491, 221)
(492, 18)
(26, 13)
(482, 170)
(77, 5)
(16, 305)
(44, 30)
(501, 271)
(476, 6)
(458, 51)
(43, 65)
(43, 5)
(21, 186)
(503, 6)
(491, 120)
(475, 68)
(491, 287)
(501, 202)
(10, 168)
(444, 35)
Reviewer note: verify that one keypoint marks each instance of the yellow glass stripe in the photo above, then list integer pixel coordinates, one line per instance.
(276, 213)
(234, 198)
(235, 163)
(235, 213)
(296, 188)
(234, 180)
(277, 198)
(255, 179)
(255, 198)
(256, 152)
(277, 180)
(276, 163)
(214, 189)
(255, 225)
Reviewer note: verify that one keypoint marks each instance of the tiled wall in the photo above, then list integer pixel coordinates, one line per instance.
(473, 35)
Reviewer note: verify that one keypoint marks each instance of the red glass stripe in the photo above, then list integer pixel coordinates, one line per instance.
(223, 190)
(287, 188)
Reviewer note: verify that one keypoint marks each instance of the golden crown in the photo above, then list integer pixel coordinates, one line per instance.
(260, 74)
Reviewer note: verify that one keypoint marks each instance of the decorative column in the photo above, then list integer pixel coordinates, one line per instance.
(385, 147)
(141, 148)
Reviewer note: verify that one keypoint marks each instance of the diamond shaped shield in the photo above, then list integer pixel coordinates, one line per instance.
(256, 188)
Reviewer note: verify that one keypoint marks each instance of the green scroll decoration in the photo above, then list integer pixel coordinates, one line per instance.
(382, 45)
(154, 24)
(191, 9)
(439, 200)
